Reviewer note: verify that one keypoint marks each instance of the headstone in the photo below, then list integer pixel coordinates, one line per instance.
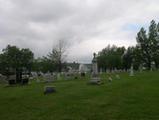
(153, 66)
(48, 77)
(12, 79)
(58, 76)
(141, 68)
(95, 79)
(101, 71)
(49, 89)
(131, 71)
(82, 70)
(117, 76)
(3, 79)
(110, 79)
(25, 79)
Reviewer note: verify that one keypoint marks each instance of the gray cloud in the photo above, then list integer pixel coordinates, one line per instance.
(87, 26)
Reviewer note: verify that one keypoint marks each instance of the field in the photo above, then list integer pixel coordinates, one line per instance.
(130, 98)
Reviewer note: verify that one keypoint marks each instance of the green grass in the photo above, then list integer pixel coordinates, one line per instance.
(130, 98)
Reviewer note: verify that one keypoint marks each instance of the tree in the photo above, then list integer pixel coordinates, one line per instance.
(127, 58)
(153, 39)
(145, 47)
(15, 61)
(44, 65)
(58, 55)
(149, 44)
(110, 57)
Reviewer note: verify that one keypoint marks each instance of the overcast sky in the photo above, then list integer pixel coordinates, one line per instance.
(86, 25)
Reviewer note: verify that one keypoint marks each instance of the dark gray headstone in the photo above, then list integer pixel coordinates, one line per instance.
(49, 89)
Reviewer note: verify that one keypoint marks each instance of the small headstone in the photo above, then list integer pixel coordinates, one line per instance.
(153, 66)
(48, 77)
(25, 79)
(101, 71)
(131, 71)
(12, 79)
(117, 76)
(110, 79)
(95, 81)
(141, 68)
(58, 76)
(49, 89)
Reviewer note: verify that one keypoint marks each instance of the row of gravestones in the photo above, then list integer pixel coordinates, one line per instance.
(50, 77)
(11, 80)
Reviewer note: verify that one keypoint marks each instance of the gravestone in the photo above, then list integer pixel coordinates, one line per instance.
(3, 79)
(95, 79)
(153, 66)
(110, 79)
(11, 79)
(117, 76)
(48, 77)
(141, 68)
(25, 79)
(131, 70)
(49, 89)
(101, 70)
(58, 76)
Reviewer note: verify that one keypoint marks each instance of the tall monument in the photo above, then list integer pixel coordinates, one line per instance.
(95, 79)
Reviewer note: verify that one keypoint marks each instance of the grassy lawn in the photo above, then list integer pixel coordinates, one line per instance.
(130, 98)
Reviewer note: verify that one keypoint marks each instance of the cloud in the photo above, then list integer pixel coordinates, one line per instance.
(88, 26)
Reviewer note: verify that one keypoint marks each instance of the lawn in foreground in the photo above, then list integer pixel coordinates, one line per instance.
(130, 98)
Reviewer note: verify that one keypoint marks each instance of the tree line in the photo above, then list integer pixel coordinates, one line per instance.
(14, 60)
(145, 53)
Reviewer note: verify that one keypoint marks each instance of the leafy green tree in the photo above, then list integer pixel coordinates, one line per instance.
(145, 47)
(149, 44)
(15, 61)
(110, 57)
(58, 55)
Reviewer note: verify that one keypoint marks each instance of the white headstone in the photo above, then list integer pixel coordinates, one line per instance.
(131, 71)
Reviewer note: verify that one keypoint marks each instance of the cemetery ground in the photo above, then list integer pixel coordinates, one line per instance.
(127, 98)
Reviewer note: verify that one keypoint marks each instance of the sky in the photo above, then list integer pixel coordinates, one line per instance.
(87, 26)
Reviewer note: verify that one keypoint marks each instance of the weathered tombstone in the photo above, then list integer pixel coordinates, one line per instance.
(3, 79)
(117, 76)
(101, 71)
(95, 79)
(48, 77)
(141, 68)
(58, 76)
(49, 89)
(82, 70)
(153, 66)
(12, 79)
(131, 70)
(25, 79)
(110, 79)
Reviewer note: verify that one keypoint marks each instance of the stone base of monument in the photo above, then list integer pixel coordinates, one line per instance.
(49, 89)
(95, 81)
